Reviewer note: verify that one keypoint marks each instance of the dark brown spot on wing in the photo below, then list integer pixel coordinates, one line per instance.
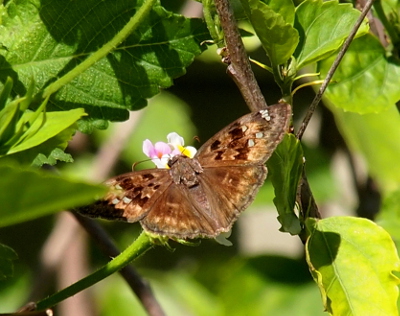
(103, 209)
(148, 177)
(215, 145)
(249, 140)
(243, 153)
(236, 131)
(125, 183)
(219, 155)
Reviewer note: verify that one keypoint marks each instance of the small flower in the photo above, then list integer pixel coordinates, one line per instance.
(177, 142)
(160, 153)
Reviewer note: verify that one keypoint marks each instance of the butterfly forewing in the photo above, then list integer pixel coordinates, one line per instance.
(250, 139)
(230, 190)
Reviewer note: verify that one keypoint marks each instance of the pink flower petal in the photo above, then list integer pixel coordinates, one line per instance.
(176, 152)
(148, 148)
(162, 149)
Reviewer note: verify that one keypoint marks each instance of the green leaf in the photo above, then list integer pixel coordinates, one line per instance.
(377, 138)
(13, 127)
(46, 153)
(389, 215)
(285, 167)
(352, 260)
(278, 37)
(366, 81)
(7, 256)
(323, 27)
(57, 154)
(9, 117)
(47, 41)
(26, 194)
(54, 124)
(283, 7)
(5, 94)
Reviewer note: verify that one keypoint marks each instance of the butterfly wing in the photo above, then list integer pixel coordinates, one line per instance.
(208, 208)
(250, 139)
(230, 190)
(131, 195)
(204, 197)
(179, 213)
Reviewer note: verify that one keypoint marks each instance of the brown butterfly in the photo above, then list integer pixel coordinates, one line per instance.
(202, 196)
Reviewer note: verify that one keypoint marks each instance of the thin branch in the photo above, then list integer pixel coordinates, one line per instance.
(239, 67)
(102, 165)
(332, 70)
(244, 78)
(136, 249)
(134, 280)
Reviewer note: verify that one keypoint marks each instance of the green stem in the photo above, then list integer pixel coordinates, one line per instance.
(137, 248)
(133, 23)
(213, 27)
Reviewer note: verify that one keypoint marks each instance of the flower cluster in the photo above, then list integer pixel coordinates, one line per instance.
(161, 152)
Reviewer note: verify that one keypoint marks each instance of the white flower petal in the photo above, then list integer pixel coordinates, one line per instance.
(162, 163)
(175, 139)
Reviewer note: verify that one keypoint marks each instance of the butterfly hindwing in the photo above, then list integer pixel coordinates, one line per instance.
(176, 214)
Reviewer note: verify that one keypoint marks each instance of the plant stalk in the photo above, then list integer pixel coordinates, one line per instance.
(136, 249)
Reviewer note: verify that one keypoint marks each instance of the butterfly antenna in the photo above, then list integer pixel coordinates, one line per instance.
(197, 138)
(138, 162)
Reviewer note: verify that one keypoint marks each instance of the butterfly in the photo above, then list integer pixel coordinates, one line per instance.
(201, 196)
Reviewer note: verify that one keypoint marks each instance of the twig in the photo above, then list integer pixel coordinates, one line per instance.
(239, 67)
(142, 244)
(332, 70)
(305, 198)
(105, 160)
(247, 84)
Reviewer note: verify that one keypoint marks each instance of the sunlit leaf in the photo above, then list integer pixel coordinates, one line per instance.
(352, 260)
(323, 26)
(55, 123)
(366, 81)
(277, 35)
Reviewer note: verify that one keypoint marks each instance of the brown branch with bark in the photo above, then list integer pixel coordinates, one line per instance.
(243, 76)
